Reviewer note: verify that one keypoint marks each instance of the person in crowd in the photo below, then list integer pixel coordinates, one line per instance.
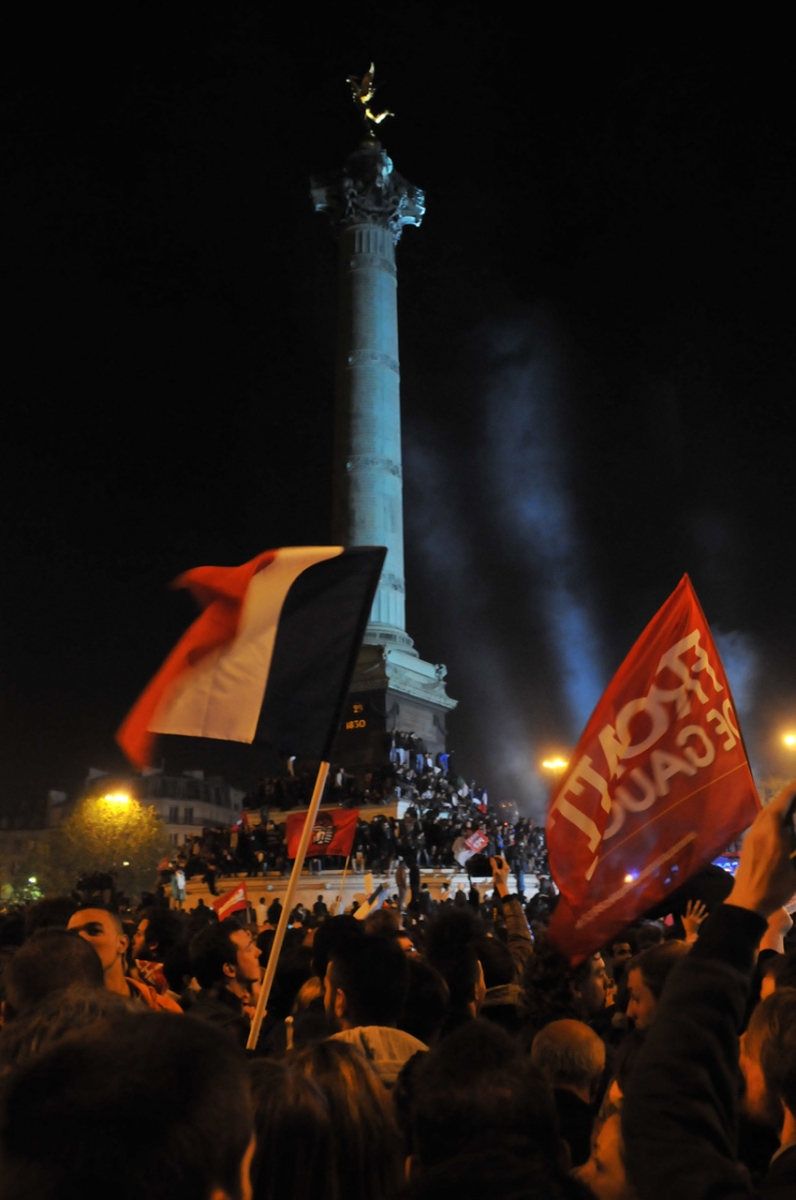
(366, 986)
(49, 961)
(143, 1105)
(59, 1014)
(103, 930)
(605, 1171)
(226, 965)
(571, 1057)
(779, 972)
(203, 914)
(52, 912)
(367, 1159)
(475, 1098)
(295, 1136)
(320, 909)
(450, 948)
(681, 1107)
(158, 932)
(555, 990)
(427, 1002)
(622, 949)
(646, 977)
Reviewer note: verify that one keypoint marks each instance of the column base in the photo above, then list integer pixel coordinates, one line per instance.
(393, 689)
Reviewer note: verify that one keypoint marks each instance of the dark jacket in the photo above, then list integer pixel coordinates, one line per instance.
(680, 1114)
(576, 1119)
(223, 1009)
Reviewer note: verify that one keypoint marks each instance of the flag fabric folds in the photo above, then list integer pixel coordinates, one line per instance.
(332, 833)
(270, 657)
(658, 785)
(231, 902)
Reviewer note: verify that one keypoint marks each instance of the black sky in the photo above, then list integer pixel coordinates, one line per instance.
(596, 319)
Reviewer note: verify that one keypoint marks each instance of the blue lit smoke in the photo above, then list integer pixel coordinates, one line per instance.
(741, 663)
(523, 407)
(506, 517)
(452, 561)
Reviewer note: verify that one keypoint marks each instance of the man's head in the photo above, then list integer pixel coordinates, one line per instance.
(144, 1105)
(158, 931)
(367, 982)
(570, 1056)
(768, 1059)
(224, 955)
(623, 949)
(51, 960)
(330, 935)
(779, 972)
(587, 986)
(52, 912)
(104, 931)
(646, 977)
(476, 1090)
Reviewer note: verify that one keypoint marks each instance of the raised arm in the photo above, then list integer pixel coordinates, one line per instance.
(520, 942)
(681, 1109)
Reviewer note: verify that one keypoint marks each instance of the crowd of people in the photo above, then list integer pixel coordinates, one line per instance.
(443, 812)
(415, 1054)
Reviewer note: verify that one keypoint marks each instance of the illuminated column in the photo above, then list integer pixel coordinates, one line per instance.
(370, 203)
(393, 688)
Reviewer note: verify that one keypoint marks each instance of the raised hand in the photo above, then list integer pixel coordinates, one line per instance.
(695, 913)
(766, 875)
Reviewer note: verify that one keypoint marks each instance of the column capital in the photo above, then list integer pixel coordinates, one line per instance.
(369, 191)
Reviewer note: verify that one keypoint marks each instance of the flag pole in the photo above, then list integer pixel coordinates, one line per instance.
(342, 883)
(281, 929)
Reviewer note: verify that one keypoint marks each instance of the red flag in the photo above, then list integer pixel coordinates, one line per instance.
(332, 833)
(231, 902)
(476, 841)
(658, 785)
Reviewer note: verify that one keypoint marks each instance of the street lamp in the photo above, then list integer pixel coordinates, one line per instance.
(555, 766)
(116, 798)
(789, 740)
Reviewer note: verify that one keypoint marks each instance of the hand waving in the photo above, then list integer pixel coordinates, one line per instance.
(695, 913)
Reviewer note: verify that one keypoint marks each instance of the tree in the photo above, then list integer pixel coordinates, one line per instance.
(112, 834)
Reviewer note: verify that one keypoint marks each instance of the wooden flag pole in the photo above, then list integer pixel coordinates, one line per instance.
(281, 929)
(342, 884)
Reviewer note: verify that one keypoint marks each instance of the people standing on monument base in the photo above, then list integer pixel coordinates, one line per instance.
(455, 1044)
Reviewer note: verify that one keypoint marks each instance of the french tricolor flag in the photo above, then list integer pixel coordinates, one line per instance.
(271, 656)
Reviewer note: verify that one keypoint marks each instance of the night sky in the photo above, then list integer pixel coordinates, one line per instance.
(596, 323)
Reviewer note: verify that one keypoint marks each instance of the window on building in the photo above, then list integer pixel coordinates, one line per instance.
(174, 814)
(188, 816)
(173, 837)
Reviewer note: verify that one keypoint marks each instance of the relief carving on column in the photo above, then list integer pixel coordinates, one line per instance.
(372, 462)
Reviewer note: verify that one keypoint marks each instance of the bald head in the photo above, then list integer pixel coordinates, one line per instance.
(569, 1055)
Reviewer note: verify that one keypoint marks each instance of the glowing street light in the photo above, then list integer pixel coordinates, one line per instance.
(117, 798)
(789, 739)
(555, 764)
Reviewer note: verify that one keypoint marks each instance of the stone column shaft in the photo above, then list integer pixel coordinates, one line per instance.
(368, 477)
